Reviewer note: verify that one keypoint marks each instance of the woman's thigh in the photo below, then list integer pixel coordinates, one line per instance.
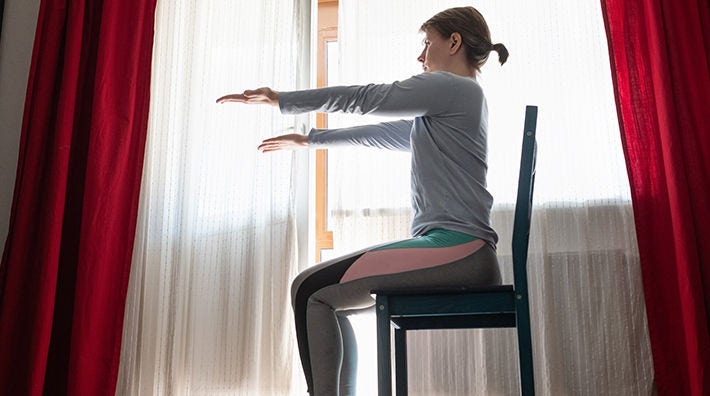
(479, 268)
(326, 273)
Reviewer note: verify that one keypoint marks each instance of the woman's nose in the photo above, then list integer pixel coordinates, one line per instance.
(421, 57)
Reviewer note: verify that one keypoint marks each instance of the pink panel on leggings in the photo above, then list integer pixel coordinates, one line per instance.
(390, 261)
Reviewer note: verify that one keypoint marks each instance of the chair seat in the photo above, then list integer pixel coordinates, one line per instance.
(444, 290)
(448, 303)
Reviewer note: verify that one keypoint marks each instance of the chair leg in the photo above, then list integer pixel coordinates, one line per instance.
(384, 348)
(527, 376)
(400, 361)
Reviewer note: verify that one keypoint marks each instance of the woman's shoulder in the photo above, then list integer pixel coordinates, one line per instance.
(446, 76)
(452, 82)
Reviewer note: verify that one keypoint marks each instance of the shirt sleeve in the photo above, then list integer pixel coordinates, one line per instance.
(393, 135)
(421, 95)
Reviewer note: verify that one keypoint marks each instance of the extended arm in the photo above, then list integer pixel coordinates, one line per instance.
(424, 94)
(392, 135)
(420, 95)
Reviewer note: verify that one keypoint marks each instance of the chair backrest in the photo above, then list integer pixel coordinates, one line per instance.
(523, 204)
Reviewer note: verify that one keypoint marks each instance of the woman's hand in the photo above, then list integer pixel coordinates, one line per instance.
(284, 142)
(263, 95)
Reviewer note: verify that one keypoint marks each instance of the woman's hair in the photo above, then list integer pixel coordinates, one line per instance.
(469, 23)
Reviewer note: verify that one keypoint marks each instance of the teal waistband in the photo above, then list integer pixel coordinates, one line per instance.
(435, 238)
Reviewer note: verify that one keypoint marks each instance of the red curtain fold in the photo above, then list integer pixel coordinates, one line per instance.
(660, 57)
(65, 267)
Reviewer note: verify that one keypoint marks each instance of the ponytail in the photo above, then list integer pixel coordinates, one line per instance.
(502, 52)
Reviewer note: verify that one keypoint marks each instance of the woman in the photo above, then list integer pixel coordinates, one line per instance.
(453, 243)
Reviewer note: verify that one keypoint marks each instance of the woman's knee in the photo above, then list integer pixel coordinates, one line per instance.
(296, 285)
(324, 274)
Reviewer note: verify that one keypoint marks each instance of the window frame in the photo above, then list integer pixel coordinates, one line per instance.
(327, 32)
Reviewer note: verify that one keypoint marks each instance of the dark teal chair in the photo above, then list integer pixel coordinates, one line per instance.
(465, 308)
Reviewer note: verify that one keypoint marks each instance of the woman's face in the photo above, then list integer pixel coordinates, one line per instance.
(435, 55)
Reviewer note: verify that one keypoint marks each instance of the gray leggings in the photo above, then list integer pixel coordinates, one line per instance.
(326, 340)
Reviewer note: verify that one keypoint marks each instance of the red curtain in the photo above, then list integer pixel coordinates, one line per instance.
(660, 57)
(67, 257)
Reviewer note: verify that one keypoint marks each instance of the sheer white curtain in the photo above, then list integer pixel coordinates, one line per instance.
(208, 308)
(589, 327)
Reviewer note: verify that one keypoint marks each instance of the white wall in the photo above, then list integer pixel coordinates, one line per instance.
(16, 40)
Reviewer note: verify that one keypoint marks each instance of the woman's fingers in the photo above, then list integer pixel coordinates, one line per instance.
(240, 98)
(269, 147)
(273, 145)
(283, 142)
(232, 98)
(264, 95)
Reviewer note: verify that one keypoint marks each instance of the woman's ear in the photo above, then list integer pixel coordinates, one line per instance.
(454, 42)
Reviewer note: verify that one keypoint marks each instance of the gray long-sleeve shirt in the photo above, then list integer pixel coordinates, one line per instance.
(447, 139)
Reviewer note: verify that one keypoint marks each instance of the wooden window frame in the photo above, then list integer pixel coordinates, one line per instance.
(327, 32)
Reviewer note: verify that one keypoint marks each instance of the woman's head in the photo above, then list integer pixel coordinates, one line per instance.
(458, 32)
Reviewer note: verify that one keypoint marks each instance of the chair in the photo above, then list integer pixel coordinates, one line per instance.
(473, 307)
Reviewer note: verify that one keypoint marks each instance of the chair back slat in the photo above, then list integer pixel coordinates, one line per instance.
(523, 205)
